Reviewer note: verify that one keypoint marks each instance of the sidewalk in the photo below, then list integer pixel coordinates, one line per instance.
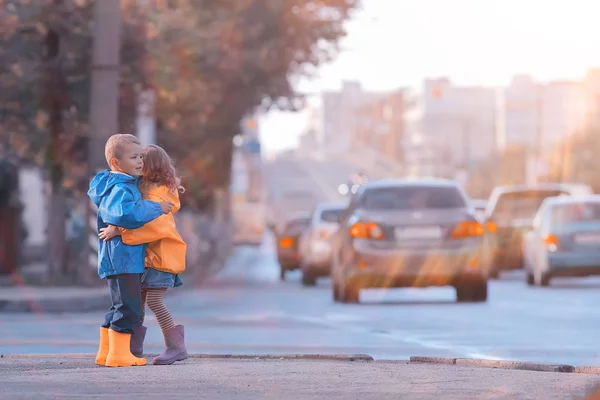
(23, 299)
(24, 292)
(75, 376)
(29, 298)
(55, 299)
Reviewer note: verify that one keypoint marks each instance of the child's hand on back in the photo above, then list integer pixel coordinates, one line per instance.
(166, 206)
(108, 233)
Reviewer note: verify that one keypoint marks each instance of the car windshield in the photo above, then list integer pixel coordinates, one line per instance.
(522, 204)
(296, 225)
(407, 197)
(575, 212)
(331, 215)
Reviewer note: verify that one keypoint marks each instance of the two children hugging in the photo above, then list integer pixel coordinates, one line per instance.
(140, 253)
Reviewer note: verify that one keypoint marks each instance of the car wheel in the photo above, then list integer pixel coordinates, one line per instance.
(494, 273)
(473, 292)
(530, 279)
(349, 293)
(541, 277)
(308, 279)
(544, 279)
(335, 291)
(281, 273)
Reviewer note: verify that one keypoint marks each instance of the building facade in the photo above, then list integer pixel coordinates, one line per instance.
(537, 115)
(340, 117)
(380, 126)
(448, 127)
(443, 129)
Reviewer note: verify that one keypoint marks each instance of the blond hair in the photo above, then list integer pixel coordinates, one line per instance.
(115, 145)
(159, 169)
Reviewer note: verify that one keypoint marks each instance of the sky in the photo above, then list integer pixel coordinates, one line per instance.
(397, 43)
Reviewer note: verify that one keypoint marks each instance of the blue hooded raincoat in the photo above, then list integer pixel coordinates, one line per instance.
(120, 203)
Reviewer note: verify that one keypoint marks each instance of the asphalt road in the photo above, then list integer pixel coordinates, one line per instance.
(246, 309)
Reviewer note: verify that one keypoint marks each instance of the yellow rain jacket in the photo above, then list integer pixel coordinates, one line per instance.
(165, 250)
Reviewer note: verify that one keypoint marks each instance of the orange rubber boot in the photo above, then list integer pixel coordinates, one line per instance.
(103, 347)
(119, 351)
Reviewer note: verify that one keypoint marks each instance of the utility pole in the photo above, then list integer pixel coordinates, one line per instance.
(54, 102)
(539, 130)
(104, 102)
(534, 153)
(466, 126)
(105, 79)
(146, 99)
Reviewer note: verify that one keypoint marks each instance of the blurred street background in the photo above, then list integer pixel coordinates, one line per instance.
(274, 113)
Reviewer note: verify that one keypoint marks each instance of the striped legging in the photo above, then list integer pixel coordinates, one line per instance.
(155, 300)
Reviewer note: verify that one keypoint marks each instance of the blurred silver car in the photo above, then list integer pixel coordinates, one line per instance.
(564, 240)
(315, 242)
(409, 233)
(288, 254)
(510, 213)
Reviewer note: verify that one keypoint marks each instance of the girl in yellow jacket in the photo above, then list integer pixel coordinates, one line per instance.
(165, 254)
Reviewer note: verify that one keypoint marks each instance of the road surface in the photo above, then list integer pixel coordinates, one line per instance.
(246, 309)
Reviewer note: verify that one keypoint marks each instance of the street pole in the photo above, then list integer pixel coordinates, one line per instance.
(538, 133)
(146, 99)
(54, 78)
(146, 121)
(467, 146)
(105, 79)
(104, 101)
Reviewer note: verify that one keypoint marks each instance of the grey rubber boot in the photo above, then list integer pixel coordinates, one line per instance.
(175, 351)
(137, 340)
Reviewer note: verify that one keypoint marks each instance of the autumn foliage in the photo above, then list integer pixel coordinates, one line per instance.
(507, 167)
(211, 62)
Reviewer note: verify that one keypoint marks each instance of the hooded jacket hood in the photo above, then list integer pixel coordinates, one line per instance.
(120, 203)
(104, 181)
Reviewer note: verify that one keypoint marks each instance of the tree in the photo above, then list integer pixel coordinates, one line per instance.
(37, 119)
(574, 158)
(505, 168)
(45, 54)
(214, 62)
(211, 62)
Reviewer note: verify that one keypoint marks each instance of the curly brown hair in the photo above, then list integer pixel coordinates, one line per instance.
(159, 169)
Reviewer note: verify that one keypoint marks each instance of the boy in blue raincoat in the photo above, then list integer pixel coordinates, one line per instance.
(120, 203)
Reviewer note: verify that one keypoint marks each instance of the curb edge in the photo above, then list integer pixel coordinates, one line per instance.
(503, 364)
(331, 357)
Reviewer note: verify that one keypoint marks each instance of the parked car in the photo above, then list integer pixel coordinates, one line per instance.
(510, 213)
(287, 243)
(315, 242)
(409, 233)
(564, 240)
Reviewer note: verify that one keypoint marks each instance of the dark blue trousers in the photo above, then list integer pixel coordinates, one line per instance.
(126, 296)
